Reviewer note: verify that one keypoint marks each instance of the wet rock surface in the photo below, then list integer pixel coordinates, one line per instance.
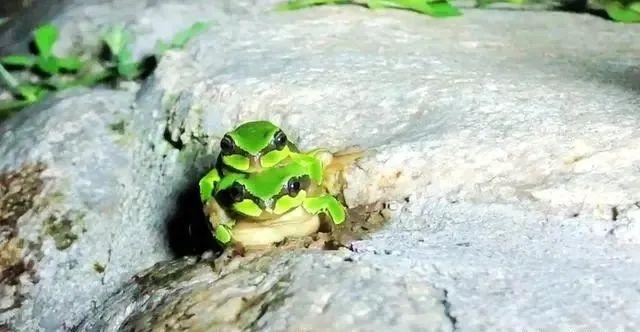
(504, 143)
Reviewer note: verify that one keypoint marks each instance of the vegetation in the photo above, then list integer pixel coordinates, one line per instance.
(623, 11)
(627, 11)
(31, 77)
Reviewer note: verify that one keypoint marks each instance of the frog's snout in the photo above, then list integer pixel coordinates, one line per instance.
(254, 163)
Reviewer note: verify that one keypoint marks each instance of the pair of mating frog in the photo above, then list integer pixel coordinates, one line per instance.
(263, 189)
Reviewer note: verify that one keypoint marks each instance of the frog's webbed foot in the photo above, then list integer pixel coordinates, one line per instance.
(333, 179)
(326, 204)
(207, 184)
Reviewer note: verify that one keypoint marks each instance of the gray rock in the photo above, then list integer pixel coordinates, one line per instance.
(105, 209)
(513, 135)
(279, 291)
(436, 267)
(535, 132)
(482, 108)
(78, 222)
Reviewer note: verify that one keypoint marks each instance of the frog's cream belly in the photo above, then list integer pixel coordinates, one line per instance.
(296, 223)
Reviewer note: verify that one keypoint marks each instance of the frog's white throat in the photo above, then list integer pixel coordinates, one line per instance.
(296, 223)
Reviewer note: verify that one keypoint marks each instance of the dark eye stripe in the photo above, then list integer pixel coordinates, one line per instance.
(226, 199)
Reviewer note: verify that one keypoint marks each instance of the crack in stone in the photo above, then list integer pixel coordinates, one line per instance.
(447, 309)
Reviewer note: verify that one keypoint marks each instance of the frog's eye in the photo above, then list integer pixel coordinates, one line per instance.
(293, 187)
(227, 145)
(236, 193)
(233, 194)
(280, 140)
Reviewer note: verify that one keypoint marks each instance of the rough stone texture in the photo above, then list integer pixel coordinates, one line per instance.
(436, 267)
(482, 108)
(537, 133)
(513, 135)
(280, 291)
(102, 213)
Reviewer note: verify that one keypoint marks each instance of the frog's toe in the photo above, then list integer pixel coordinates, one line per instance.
(223, 234)
(207, 184)
(337, 212)
(326, 204)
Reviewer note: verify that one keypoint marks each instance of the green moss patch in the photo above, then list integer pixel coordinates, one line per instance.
(60, 229)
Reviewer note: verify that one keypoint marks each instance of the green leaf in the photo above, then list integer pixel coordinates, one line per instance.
(117, 39)
(485, 3)
(162, 47)
(31, 92)
(18, 60)
(70, 64)
(7, 106)
(48, 64)
(91, 78)
(299, 4)
(181, 39)
(124, 56)
(440, 8)
(44, 37)
(129, 70)
(621, 13)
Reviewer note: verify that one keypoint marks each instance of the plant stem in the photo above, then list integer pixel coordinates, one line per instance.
(7, 107)
(8, 79)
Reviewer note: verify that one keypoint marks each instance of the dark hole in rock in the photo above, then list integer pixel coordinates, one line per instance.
(177, 144)
(189, 232)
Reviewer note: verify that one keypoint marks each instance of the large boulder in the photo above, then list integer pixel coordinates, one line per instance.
(85, 203)
(436, 267)
(504, 143)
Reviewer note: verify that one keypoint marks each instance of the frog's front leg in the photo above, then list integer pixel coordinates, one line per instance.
(208, 183)
(326, 204)
(220, 221)
(223, 234)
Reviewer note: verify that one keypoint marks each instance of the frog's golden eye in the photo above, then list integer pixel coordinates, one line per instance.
(280, 140)
(227, 145)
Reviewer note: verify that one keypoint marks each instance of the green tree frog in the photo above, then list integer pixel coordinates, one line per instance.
(264, 207)
(248, 148)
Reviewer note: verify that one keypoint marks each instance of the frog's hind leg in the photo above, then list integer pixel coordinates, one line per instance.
(326, 204)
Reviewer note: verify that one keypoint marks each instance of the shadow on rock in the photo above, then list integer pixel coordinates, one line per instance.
(189, 232)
